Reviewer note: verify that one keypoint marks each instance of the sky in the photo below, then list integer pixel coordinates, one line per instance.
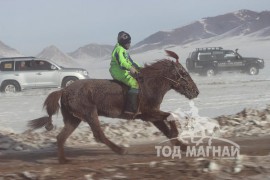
(29, 26)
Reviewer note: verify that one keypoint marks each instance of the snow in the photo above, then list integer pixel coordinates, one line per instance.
(223, 94)
(202, 21)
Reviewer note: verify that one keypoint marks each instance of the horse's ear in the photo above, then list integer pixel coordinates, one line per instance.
(173, 54)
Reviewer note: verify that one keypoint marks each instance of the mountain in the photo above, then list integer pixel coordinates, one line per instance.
(92, 50)
(54, 54)
(242, 22)
(6, 51)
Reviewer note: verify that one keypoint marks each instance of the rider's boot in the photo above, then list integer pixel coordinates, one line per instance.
(132, 101)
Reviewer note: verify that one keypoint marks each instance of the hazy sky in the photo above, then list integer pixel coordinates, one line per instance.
(31, 25)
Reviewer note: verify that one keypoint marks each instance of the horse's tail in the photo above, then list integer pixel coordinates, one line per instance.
(52, 107)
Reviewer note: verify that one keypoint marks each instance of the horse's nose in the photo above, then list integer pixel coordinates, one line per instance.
(197, 92)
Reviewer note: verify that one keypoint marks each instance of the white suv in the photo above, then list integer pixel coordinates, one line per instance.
(17, 73)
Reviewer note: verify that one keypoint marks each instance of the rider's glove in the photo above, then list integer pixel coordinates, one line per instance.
(133, 71)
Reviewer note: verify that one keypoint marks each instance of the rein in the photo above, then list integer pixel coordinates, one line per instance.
(177, 83)
(180, 77)
(171, 80)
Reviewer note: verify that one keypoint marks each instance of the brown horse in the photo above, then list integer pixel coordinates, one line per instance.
(85, 100)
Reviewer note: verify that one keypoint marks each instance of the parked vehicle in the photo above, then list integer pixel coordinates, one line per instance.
(212, 60)
(18, 73)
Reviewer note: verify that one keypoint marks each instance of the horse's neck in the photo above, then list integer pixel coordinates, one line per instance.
(154, 92)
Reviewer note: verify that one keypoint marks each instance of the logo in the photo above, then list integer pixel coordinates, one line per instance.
(201, 136)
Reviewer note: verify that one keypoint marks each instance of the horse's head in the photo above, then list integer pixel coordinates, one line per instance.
(166, 74)
(180, 79)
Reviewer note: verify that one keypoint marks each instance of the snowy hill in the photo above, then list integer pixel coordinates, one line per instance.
(92, 51)
(6, 51)
(54, 54)
(242, 22)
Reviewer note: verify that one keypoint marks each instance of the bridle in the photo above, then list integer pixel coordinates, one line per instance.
(180, 77)
(177, 83)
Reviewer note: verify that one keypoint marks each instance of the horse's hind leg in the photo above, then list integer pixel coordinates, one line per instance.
(71, 123)
(99, 135)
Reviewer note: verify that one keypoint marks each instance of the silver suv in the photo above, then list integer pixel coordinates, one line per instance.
(17, 73)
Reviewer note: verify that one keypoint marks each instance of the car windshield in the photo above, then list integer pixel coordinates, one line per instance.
(229, 54)
(193, 55)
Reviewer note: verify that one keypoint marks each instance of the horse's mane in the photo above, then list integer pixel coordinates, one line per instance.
(160, 67)
(157, 68)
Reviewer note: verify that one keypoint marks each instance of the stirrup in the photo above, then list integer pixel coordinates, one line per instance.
(132, 114)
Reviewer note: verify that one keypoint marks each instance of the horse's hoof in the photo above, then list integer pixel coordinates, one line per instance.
(122, 151)
(49, 126)
(183, 147)
(64, 161)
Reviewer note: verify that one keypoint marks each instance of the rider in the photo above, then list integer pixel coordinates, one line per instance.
(123, 69)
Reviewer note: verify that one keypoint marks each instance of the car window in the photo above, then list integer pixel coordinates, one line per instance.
(42, 65)
(204, 56)
(23, 65)
(217, 55)
(7, 66)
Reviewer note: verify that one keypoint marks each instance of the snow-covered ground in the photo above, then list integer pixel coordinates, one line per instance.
(226, 93)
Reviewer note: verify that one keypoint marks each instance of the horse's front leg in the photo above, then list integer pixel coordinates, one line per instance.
(158, 119)
(175, 134)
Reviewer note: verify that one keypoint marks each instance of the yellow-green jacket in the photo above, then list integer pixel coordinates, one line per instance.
(120, 64)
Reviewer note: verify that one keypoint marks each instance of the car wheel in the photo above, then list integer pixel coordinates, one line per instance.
(210, 72)
(10, 87)
(68, 80)
(253, 70)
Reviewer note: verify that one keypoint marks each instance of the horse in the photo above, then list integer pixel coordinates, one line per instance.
(86, 100)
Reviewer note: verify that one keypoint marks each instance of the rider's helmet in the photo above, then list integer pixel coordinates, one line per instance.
(124, 39)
